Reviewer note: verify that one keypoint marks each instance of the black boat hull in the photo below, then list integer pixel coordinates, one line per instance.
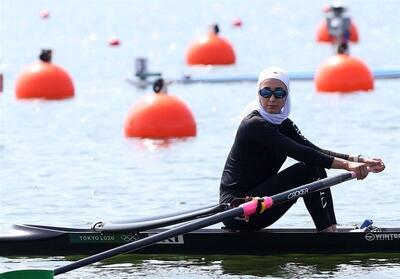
(26, 240)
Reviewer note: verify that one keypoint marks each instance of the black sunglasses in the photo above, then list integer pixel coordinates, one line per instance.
(267, 92)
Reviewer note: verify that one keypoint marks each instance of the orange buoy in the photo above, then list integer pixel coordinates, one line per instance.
(44, 80)
(324, 37)
(211, 50)
(114, 42)
(160, 116)
(345, 74)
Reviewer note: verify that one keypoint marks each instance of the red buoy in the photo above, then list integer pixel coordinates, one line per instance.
(44, 80)
(44, 14)
(237, 23)
(343, 73)
(114, 42)
(324, 37)
(211, 50)
(160, 116)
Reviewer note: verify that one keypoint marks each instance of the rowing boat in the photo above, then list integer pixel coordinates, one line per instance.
(149, 235)
(36, 240)
(143, 80)
(192, 238)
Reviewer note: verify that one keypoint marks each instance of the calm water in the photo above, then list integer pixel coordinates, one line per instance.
(68, 163)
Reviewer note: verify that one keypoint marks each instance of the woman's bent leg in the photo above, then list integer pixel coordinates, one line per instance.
(320, 207)
(294, 176)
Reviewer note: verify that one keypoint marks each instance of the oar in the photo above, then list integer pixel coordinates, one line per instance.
(245, 209)
(210, 209)
(158, 222)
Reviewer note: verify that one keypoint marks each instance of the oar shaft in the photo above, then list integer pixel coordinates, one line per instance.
(306, 189)
(158, 222)
(231, 213)
(202, 210)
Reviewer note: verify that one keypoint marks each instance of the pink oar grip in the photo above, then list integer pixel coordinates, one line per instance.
(268, 202)
(249, 208)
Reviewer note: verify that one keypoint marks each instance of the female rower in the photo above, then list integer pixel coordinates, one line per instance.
(265, 138)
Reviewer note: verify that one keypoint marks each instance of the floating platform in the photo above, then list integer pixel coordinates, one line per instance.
(148, 79)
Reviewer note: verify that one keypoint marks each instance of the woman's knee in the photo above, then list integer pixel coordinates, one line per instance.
(313, 173)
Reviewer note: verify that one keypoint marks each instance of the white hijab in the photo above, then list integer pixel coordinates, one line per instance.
(279, 74)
